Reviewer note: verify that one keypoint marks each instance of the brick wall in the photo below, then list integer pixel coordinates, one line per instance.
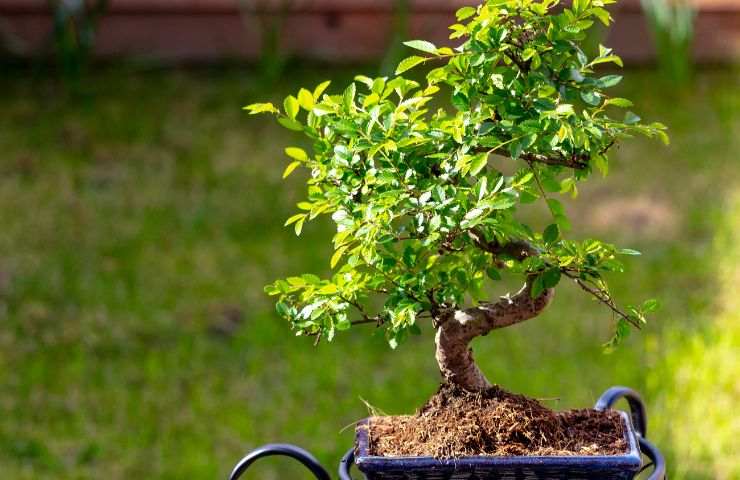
(335, 30)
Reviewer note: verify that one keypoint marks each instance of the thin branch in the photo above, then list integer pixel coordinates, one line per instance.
(354, 304)
(378, 321)
(601, 295)
(518, 249)
(576, 162)
(522, 249)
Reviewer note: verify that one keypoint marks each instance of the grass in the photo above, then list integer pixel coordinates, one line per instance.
(141, 221)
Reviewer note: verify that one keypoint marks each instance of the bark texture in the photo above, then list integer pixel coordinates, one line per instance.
(456, 330)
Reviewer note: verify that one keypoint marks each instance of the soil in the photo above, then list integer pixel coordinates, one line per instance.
(455, 423)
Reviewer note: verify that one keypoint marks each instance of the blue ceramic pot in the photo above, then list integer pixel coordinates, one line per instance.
(614, 467)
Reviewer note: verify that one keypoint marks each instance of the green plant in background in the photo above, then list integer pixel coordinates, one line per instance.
(425, 201)
(270, 16)
(672, 26)
(75, 24)
(396, 51)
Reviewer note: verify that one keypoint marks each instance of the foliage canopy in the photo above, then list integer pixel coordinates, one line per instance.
(425, 199)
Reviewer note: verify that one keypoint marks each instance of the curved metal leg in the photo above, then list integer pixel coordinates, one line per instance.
(639, 422)
(637, 407)
(346, 465)
(308, 460)
(654, 454)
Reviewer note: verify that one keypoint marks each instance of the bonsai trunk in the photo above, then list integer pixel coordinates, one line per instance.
(458, 328)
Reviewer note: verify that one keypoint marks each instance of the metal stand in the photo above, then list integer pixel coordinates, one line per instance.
(281, 449)
(607, 400)
(639, 423)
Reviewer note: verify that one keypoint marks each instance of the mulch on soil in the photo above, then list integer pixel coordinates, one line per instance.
(455, 423)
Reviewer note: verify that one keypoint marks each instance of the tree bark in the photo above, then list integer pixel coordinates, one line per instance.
(458, 328)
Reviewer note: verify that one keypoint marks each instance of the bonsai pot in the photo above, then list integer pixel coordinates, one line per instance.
(625, 466)
(613, 467)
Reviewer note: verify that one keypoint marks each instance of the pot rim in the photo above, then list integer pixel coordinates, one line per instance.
(630, 460)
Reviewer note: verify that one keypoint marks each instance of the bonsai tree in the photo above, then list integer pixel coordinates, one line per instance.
(425, 181)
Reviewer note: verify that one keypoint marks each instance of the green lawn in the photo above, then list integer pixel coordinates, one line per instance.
(140, 223)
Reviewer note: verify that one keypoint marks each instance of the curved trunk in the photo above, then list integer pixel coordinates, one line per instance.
(457, 329)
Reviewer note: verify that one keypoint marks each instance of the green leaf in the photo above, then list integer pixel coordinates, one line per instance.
(630, 118)
(579, 6)
(493, 274)
(298, 227)
(256, 108)
(558, 213)
(608, 81)
(591, 97)
(608, 59)
(500, 202)
(343, 323)
(474, 213)
(311, 278)
(465, 13)
(328, 289)
(619, 102)
(538, 286)
(555, 206)
(460, 101)
(551, 234)
(602, 14)
(621, 332)
(422, 45)
(296, 153)
(565, 109)
(319, 90)
(349, 97)
(601, 163)
(478, 162)
(551, 277)
(663, 137)
(305, 99)
(290, 124)
(289, 169)
(282, 309)
(516, 149)
(409, 63)
(291, 106)
(337, 256)
(628, 251)
(295, 218)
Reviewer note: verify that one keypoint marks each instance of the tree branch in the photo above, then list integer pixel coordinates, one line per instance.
(521, 249)
(576, 162)
(517, 249)
(459, 327)
(600, 295)
(378, 321)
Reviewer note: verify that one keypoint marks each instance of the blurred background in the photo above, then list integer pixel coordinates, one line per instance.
(141, 214)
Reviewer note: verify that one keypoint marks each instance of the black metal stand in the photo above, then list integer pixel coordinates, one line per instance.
(639, 422)
(606, 401)
(281, 449)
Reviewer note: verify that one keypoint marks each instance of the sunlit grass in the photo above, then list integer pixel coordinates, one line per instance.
(140, 224)
(703, 370)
